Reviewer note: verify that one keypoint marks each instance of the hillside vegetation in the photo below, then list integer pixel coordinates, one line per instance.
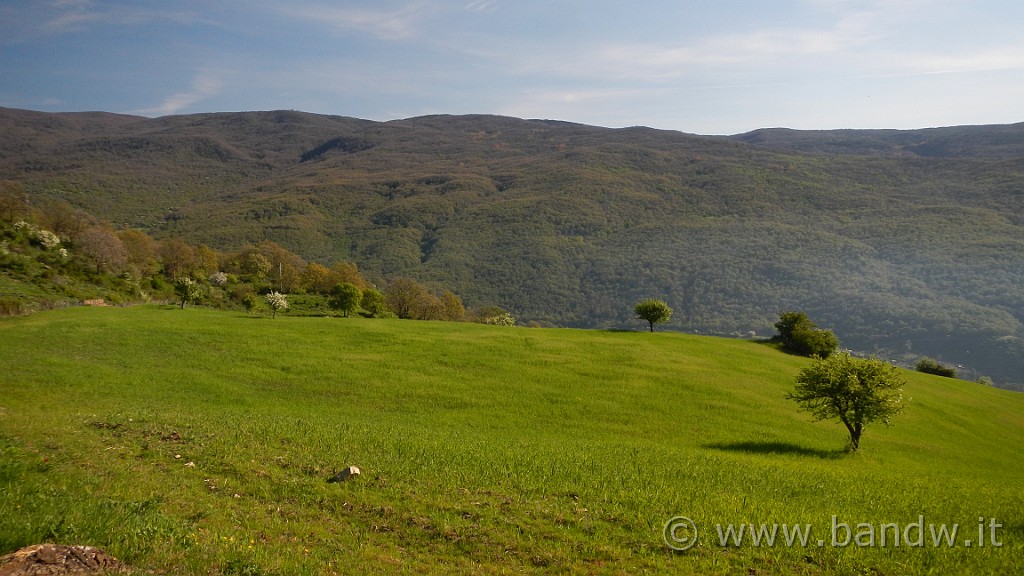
(904, 243)
(197, 441)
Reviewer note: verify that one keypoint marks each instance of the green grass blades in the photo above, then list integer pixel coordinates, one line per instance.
(199, 442)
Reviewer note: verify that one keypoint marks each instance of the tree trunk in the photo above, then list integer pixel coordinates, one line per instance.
(854, 432)
(651, 322)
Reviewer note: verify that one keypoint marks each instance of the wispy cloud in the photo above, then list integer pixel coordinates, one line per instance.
(70, 15)
(481, 5)
(204, 85)
(844, 37)
(989, 60)
(65, 16)
(400, 22)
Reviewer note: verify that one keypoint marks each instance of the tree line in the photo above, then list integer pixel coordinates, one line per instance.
(53, 244)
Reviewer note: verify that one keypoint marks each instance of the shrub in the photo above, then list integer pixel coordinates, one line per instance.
(503, 319)
(931, 366)
(11, 307)
(251, 302)
(800, 335)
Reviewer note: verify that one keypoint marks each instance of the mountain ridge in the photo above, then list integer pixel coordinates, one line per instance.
(907, 243)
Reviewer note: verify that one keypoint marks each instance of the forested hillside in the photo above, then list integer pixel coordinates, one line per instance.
(904, 243)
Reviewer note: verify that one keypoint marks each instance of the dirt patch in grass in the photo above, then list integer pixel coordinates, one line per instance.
(57, 560)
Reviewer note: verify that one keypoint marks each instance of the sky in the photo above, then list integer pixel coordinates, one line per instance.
(698, 66)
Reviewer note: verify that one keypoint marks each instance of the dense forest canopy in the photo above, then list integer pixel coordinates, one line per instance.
(905, 243)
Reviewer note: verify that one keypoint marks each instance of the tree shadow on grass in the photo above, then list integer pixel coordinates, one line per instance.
(770, 447)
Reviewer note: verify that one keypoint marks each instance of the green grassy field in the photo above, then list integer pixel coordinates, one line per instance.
(199, 442)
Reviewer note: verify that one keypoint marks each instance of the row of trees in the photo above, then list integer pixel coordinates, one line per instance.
(51, 240)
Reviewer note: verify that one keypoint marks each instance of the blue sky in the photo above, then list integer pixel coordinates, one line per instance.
(707, 67)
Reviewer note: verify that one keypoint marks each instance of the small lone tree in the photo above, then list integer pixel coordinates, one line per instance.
(188, 290)
(855, 391)
(654, 311)
(800, 335)
(277, 302)
(345, 297)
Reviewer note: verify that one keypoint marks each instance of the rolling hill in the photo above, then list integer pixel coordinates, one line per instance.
(200, 441)
(905, 243)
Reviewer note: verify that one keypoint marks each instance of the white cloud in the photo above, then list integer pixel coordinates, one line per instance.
(204, 85)
(396, 23)
(481, 5)
(64, 16)
(71, 15)
(989, 60)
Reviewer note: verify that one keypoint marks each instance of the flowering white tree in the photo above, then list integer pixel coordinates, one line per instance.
(47, 239)
(503, 319)
(276, 301)
(188, 290)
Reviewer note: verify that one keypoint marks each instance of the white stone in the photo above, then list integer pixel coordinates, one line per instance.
(346, 474)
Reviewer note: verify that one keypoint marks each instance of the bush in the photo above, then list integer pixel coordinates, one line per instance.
(931, 366)
(503, 319)
(11, 307)
(801, 336)
(252, 302)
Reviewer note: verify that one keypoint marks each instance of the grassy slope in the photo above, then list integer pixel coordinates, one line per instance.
(483, 449)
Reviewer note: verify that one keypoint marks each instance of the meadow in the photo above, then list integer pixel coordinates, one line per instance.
(199, 442)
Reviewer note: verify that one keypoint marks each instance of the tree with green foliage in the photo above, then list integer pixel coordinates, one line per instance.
(799, 335)
(932, 366)
(178, 257)
(454, 310)
(256, 265)
(345, 297)
(142, 252)
(277, 302)
(374, 302)
(316, 278)
(188, 290)
(853, 390)
(653, 311)
(251, 301)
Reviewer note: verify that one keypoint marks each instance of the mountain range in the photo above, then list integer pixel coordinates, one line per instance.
(905, 243)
